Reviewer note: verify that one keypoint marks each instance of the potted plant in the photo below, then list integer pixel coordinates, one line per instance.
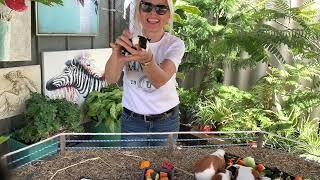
(105, 109)
(44, 118)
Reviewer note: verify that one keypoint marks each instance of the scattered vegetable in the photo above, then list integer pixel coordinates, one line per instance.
(144, 164)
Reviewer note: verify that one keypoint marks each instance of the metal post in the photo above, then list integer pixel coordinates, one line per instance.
(4, 162)
(260, 140)
(171, 141)
(111, 21)
(62, 144)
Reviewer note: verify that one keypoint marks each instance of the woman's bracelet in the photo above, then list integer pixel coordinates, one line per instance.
(148, 62)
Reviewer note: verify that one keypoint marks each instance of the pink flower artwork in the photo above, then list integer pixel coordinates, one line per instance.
(17, 5)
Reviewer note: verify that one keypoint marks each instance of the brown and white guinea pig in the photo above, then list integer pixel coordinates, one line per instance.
(244, 173)
(207, 167)
(226, 175)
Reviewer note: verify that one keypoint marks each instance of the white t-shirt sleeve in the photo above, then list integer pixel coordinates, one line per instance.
(175, 52)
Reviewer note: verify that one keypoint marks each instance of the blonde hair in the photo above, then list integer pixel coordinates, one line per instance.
(137, 27)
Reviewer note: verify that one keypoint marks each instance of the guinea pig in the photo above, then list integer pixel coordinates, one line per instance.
(207, 167)
(140, 41)
(245, 173)
(226, 175)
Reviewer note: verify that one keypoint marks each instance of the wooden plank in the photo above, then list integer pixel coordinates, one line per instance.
(62, 144)
(103, 40)
(79, 42)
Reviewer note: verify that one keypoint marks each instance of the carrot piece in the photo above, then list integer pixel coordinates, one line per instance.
(144, 164)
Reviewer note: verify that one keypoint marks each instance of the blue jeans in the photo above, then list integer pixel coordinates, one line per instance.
(131, 124)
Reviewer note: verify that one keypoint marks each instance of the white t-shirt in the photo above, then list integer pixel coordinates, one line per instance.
(139, 95)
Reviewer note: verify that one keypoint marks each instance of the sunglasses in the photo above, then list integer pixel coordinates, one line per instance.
(147, 7)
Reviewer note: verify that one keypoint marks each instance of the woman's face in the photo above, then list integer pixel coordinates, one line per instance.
(154, 21)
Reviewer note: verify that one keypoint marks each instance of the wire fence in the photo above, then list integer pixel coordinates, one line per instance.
(63, 142)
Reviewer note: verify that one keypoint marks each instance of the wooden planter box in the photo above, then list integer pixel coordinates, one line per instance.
(31, 154)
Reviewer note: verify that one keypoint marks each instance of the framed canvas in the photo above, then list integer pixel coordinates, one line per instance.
(16, 86)
(73, 74)
(15, 42)
(74, 18)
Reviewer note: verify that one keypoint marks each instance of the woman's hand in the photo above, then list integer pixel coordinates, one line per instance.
(140, 55)
(137, 53)
(114, 65)
(123, 41)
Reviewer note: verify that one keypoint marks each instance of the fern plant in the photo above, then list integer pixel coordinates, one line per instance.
(278, 104)
(222, 34)
(259, 32)
(244, 33)
(308, 134)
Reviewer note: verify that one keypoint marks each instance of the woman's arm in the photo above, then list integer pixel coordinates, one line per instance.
(159, 74)
(114, 65)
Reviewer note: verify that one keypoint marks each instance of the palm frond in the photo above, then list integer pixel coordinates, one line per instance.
(280, 5)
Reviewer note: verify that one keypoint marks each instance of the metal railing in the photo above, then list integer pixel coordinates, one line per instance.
(91, 141)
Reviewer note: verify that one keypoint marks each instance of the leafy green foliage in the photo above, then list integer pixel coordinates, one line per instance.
(3, 139)
(222, 105)
(105, 106)
(50, 2)
(45, 117)
(280, 102)
(253, 30)
(180, 5)
(68, 114)
(214, 113)
(227, 29)
(188, 99)
(45, 2)
(308, 134)
(244, 33)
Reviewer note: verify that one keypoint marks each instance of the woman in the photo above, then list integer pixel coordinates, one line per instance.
(150, 100)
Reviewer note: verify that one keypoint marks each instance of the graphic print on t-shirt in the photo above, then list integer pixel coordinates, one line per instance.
(136, 77)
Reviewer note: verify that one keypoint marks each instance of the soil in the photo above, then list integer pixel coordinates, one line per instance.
(124, 164)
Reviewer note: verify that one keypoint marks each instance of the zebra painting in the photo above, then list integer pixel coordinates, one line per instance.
(77, 80)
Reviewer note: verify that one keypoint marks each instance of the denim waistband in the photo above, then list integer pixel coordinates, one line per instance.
(153, 116)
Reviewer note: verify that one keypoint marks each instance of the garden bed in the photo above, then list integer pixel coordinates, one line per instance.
(124, 164)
